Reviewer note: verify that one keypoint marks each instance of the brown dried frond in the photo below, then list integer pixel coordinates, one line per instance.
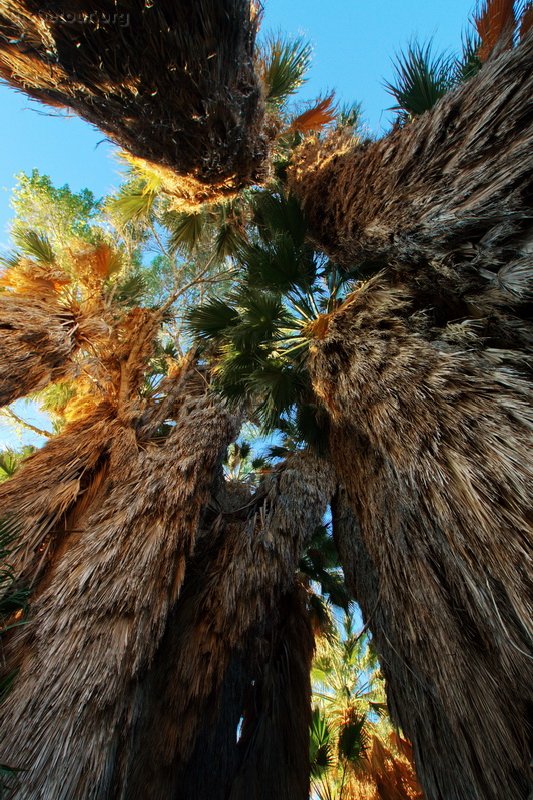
(443, 203)
(37, 340)
(41, 495)
(495, 23)
(170, 82)
(433, 448)
(320, 115)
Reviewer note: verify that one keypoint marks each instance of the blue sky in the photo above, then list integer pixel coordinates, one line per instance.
(353, 43)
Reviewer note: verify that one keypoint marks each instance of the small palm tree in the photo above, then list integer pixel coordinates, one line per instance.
(355, 752)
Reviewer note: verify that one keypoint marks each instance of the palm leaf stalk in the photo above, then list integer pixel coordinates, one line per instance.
(254, 565)
(175, 86)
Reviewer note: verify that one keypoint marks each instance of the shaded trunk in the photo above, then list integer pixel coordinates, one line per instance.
(433, 448)
(101, 612)
(444, 202)
(275, 734)
(171, 82)
(239, 589)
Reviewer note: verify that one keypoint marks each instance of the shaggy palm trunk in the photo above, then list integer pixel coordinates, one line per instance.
(171, 82)
(101, 612)
(275, 732)
(37, 340)
(256, 557)
(444, 202)
(433, 446)
(54, 487)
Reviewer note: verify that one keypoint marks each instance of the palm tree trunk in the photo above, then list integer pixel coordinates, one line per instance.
(100, 615)
(46, 498)
(443, 201)
(275, 734)
(433, 449)
(239, 589)
(37, 339)
(171, 82)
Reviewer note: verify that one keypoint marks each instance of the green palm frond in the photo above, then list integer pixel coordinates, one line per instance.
(213, 319)
(421, 79)
(186, 230)
(10, 461)
(320, 744)
(130, 288)
(275, 213)
(283, 66)
(277, 387)
(229, 240)
(353, 742)
(34, 244)
(132, 206)
(469, 63)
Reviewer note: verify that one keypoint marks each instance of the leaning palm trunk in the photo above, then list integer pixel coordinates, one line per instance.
(433, 446)
(102, 610)
(37, 339)
(171, 82)
(54, 487)
(439, 198)
(254, 564)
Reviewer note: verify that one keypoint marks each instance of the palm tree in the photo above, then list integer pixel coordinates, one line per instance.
(43, 322)
(111, 584)
(355, 751)
(232, 604)
(423, 435)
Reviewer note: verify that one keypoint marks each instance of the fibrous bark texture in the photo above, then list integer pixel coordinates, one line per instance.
(240, 583)
(445, 200)
(172, 82)
(101, 612)
(433, 445)
(37, 339)
(275, 733)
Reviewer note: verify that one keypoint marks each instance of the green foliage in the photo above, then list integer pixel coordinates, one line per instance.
(34, 244)
(469, 63)
(284, 65)
(421, 79)
(133, 203)
(352, 739)
(255, 335)
(320, 744)
(55, 213)
(10, 461)
(320, 563)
